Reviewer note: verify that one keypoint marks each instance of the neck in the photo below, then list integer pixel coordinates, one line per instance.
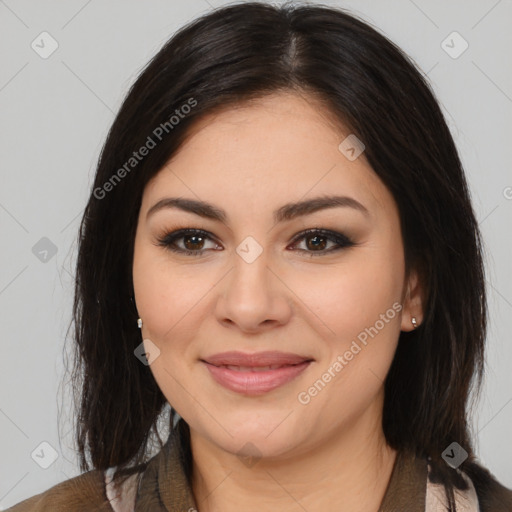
(349, 471)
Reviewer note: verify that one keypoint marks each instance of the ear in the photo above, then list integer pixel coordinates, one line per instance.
(412, 302)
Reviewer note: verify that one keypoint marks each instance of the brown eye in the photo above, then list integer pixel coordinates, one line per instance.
(316, 240)
(193, 241)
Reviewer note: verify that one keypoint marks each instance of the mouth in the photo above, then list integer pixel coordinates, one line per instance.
(257, 359)
(255, 374)
(254, 368)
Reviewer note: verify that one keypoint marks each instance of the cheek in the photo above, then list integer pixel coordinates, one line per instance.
(155, 290)
(348, 297)
(357, 311)
(167, 299)
(360, 306)
(168, 296)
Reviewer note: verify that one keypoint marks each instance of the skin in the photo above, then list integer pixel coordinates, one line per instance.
(250, 161)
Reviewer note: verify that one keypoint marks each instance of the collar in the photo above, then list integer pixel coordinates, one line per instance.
(164, 486)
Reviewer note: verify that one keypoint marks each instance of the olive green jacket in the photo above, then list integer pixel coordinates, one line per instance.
(163, 487)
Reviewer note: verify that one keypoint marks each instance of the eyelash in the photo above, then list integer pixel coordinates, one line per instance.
(168, 239)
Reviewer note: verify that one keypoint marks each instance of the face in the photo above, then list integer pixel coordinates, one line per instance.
(324, 283)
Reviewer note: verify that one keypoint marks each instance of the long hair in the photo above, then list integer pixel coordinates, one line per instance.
(223, 59)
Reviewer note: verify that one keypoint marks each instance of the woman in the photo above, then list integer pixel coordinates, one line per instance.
(279, 244)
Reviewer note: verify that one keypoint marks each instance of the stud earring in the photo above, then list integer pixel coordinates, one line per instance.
(139, 323)
(413, 322)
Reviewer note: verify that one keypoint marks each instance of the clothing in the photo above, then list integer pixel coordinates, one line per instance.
(163, 487)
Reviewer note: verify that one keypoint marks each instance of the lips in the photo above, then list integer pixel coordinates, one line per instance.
(255, 374)
(272, 359)
(253, 368)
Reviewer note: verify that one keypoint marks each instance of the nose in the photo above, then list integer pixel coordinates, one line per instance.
(253, 297)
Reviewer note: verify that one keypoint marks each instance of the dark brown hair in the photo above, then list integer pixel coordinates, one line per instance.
(224, 59)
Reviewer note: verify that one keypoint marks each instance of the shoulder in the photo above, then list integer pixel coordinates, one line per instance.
(492, 495)
(82, 493)
(483, 493)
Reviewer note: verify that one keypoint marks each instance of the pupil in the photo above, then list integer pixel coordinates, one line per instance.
(316, 244)
(193, 243)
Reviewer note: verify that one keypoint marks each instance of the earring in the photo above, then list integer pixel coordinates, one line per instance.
(413, 322)
(139, 323)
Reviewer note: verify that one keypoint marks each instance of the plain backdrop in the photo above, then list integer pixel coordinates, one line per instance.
(55, 113)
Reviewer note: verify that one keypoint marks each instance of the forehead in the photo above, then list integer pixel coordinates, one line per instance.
(267, 126)
(278, 148)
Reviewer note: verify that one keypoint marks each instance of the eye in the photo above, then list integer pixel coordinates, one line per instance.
(194, 240)
(317, 239)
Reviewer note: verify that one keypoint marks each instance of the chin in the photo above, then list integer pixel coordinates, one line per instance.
(254, 441)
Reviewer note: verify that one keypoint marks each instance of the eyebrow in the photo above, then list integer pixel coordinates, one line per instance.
(286, 212)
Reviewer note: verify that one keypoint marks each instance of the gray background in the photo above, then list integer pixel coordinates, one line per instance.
(55, 114)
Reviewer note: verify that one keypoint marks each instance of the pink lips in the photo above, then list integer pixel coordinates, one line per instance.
(254, 374)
